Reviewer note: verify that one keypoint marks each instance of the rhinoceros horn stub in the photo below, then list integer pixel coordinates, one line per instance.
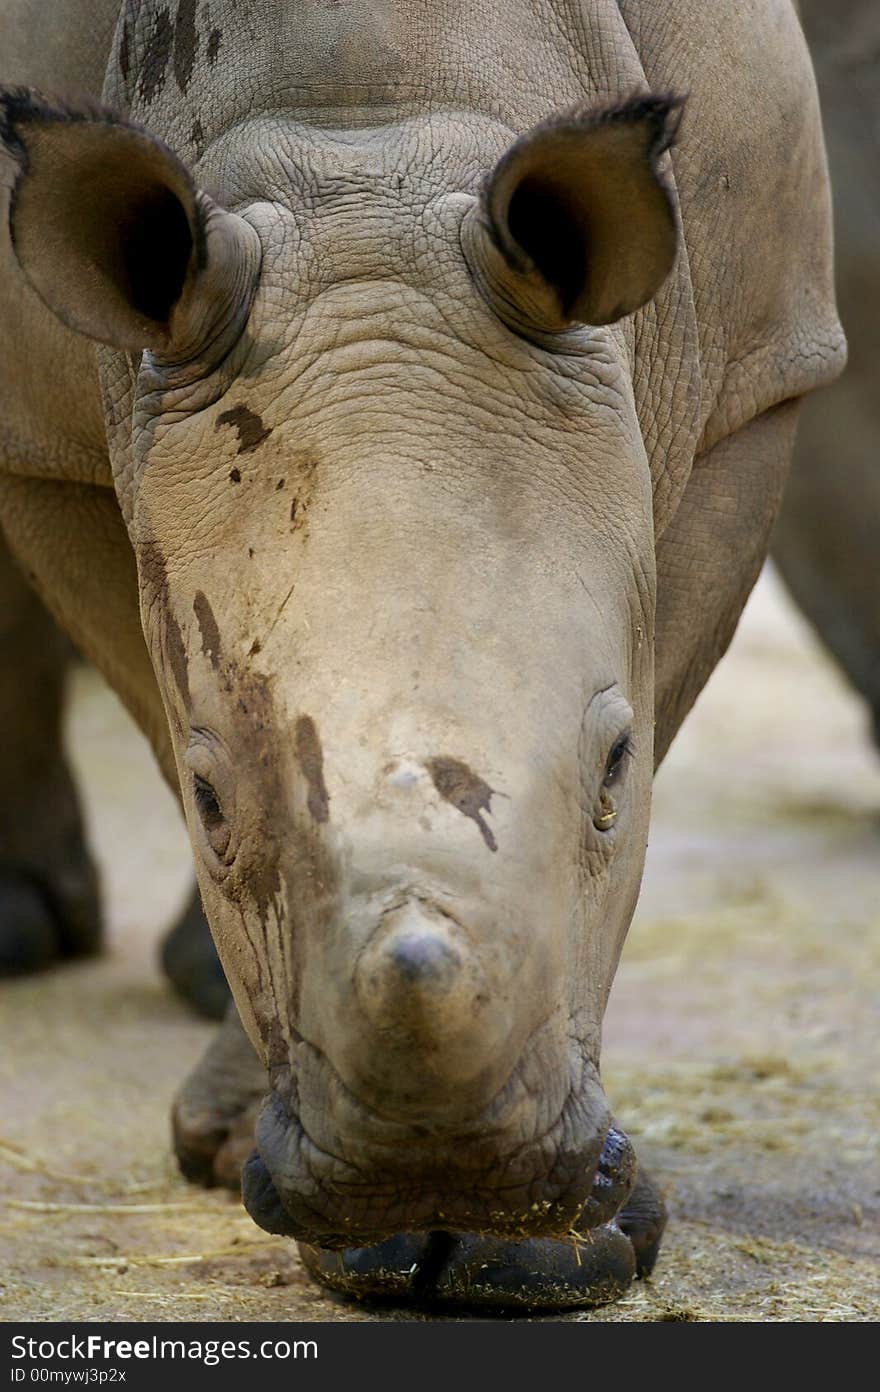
(576, 223)
(112, 233)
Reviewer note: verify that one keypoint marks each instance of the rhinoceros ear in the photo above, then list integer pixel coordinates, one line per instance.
(576, 223)
(111, 232)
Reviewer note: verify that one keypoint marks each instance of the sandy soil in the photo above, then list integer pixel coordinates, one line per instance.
(741, 1047)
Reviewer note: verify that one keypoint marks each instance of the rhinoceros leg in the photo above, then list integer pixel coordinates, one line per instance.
(710, 556)
(827, 539)
(215, 1112)
(43, 861)
(622, 1225)
(826, 546)
(190, 961)
(49, 898)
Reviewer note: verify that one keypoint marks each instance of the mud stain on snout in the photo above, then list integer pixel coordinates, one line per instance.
(155, 582)
(208, 629)
(249, 426)
(257, 732)
(125, 51)
(465, 790)
(311, 761)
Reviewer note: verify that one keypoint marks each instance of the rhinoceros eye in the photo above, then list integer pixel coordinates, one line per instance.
(213, 816)
(208, 804)
(616, 760)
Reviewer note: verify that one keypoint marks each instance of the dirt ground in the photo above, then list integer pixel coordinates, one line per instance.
(741, 1049)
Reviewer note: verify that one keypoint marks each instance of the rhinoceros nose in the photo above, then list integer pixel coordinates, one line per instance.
(423, 961)
(417, 978)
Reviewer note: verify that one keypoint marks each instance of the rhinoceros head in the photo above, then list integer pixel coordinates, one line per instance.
(374, 438)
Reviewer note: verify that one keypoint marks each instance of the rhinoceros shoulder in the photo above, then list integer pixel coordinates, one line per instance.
(751, 175)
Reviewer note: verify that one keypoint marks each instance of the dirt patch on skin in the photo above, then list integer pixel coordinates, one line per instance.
(741, 1048)
(211, 645)
(186, 43)
(311, 761)
(248, 426)
(156, 57)
(466, 791)
(154, 579)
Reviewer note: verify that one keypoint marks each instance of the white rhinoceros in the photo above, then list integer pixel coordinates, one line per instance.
(430, 448)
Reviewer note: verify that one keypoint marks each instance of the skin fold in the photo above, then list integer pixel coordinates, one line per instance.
(438, 421)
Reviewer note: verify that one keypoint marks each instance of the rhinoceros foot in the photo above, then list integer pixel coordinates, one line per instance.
(47, 916)
(589, 1268)
(190, 961)
(643, 1219)
(215, 1112)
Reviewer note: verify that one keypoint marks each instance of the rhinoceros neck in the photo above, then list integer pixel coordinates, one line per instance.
(191, 70)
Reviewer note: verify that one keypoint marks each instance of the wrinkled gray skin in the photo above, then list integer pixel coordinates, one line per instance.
(827, 539)
(427, 570)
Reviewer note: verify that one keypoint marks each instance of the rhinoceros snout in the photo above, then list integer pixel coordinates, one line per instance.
(419, 980)
(424, 1030)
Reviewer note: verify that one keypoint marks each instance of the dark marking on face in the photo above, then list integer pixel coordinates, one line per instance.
(299, 517)
(279, 485)
(214, 40)
(177, 655)
(250, 428)
(186, 43)
(155, 581)
(156, 57)
(208, 629)
(255, 647)
(235, 477)
(125, 51)
(311, 761)
(251, 551)
(257, 724)
(470, 794)
(151, 567)
(198, 138)
(300, 504)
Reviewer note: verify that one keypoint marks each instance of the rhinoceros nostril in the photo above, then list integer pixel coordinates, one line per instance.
(424, 959)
